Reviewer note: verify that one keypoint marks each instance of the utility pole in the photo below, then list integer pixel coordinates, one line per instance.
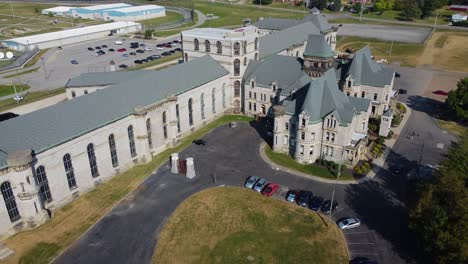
(12, 12)
(337, 179)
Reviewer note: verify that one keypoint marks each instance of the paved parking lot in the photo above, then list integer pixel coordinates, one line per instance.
(386, 32)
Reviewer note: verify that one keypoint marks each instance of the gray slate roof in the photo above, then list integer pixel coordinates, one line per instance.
(51, 126)
(323, 97)
(103, 78)
(286, 71)
(366, 71)
(319, 21)
(281, 40)
(317, 46)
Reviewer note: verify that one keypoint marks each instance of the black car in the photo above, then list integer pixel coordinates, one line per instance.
(140, 51)
(178, 49)
(325, 208)
(101, 52)
(104, 46)
(97, 47)
(159, 45)
(59, 48)
(166, 53)
(137, 61)
(142, 44)
(150, 58)
(123, 66)
(397, 75)
(402, 91)
(304, 198)
(199, 142)
(111, 50)
(156, 56)
(175, 41)
(315, 203)
(132, 53)
(90, 49)
(144, 61)
(172, 51)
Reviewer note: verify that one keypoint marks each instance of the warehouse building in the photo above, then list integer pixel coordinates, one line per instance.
(58, 11)
(70, 36)
(97, 11)
(135, 13)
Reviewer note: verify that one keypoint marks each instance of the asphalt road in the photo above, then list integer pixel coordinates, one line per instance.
(385, 32)
(58, 67)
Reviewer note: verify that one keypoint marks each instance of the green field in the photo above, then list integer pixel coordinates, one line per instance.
(9, 89)
(234, 225)
(155, 22)
(29, 98)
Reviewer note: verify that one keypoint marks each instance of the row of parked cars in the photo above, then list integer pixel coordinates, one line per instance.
(303, 198)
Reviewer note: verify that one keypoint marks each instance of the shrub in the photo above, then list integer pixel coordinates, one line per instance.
(318, 161)
(359, 171)
(396, 120)
(373, 127)
(335, 166)
(380, 140)
(390, 134)
(401, 108)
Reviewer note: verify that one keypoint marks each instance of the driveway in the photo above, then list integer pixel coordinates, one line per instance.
(385, 32)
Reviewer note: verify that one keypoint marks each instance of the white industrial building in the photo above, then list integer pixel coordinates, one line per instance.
(135, 13)
(70, 36)
(58, 11)
(96, 11)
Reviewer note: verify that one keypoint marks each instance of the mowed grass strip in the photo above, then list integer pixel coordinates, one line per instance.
(7, 89)
(311, 169)
(21, 73)
(154, 22)
(69, 222)
(234, 225)
(30, 97)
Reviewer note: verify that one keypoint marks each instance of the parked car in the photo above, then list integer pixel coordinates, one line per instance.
(199, 142)
(325, 208)
(176, 41)
(178, 49)
(123, 66)
(440, 92)
(172, 51)
(74, 62)
(142, 44)
(104, 46)
(101, 52)
(270, 189)
(148, 48)
(97, 47)
(122, 50)
(90, 49)
(156, 56)
(402, 91)
(118, 42)
(111, 50)
(304, 198)
(144, 61)
(159, 48)
(132, 53)
(140, 51)
(259, 185)
(125, 55)
(291, 196)
(137, 61)
(349, 223)
(315, 203)
(59, 48)
(250, 182)
(149, 58)
(166, 53)
(397, 75)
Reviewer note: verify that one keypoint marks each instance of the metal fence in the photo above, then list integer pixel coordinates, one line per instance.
(185, 12)
(22, 59)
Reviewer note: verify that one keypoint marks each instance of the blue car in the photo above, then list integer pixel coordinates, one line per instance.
(249, 183)
(125, 55)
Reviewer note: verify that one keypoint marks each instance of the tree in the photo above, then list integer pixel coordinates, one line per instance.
(148, 34)
(336, 6)
(457, 101)
(411, 10)
(383, 5)
(427, 7)
(319, 4)
(263, 2)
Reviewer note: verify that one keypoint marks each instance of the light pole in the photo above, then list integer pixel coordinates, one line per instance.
(12, 12)
(337, 179)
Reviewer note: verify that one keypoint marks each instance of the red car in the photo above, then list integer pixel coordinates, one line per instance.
(270, 189)
(440, 92)
(121, 50)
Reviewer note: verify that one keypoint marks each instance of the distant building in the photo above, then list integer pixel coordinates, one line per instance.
(134, 13)
(58, 11)
(463, 8)
(459, 17)
(96, 11)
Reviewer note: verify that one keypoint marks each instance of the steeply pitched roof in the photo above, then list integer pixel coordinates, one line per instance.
(51, 126)
(272, 23)
(366, 71)
(103, 78)
(322, 97)
(281, 40)
(285, 71)
(319, 21)
(317, 46)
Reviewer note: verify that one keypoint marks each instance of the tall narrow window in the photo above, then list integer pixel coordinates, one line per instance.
(131, 141)
(196, 44)
(73, 94)
(190, 112)
(10, 201)
(207, 46)
(92, 160)
(236, 48)
(363, 94)
(236, 88)
(245, 61)
(178, 117)
(256, 43)
(202, 105)
(164, 121)
(236, 67)
(44, 190)
(245, 47)
(113, 151)
(224, 95)
(68, 165)
(149, 133)
(213, 100)
(85, 91)
(256, 56)
(219, 47)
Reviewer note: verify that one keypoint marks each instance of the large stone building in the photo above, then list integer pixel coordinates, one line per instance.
(115, 120)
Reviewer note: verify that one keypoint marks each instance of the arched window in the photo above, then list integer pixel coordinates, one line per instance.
(236, 67)
(92, 160)
(236, 88)
(68, 165)
(164, 121)
(245, 47)
(131, 141)
(207, 46)
(113, 151)
(73, 94)
(186, 57)
(44, 191)
(149, 133)
(178, 117)
(256, 43)
(224, 95)
(236, 48)
(85, 91)
(10, 201)
(196, 45)
(219, 47)
(190, 112)
(213, 100)
(202, 105)
(245, 61)
(256, 56)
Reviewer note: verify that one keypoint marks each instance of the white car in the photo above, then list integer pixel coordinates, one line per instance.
(118, 42)
(349, 223)
(148, 48)
(159, 48)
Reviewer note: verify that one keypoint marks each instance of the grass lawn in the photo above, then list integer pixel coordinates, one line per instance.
(155, 22)
(443, 19)
(36, 57)
(21, 73)
(453, 127)
(311, 169)
(29, 98)
(69, 222)
(234, 225)
(406, 54)
(9, 89)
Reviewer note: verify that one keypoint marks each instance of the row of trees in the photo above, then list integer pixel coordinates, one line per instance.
(457, 101)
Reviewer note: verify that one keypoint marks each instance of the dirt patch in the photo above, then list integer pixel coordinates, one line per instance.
(446, 51)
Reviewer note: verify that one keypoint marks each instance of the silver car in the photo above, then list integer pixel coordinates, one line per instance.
(250, 182)
(259, 185)
(349, 223)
